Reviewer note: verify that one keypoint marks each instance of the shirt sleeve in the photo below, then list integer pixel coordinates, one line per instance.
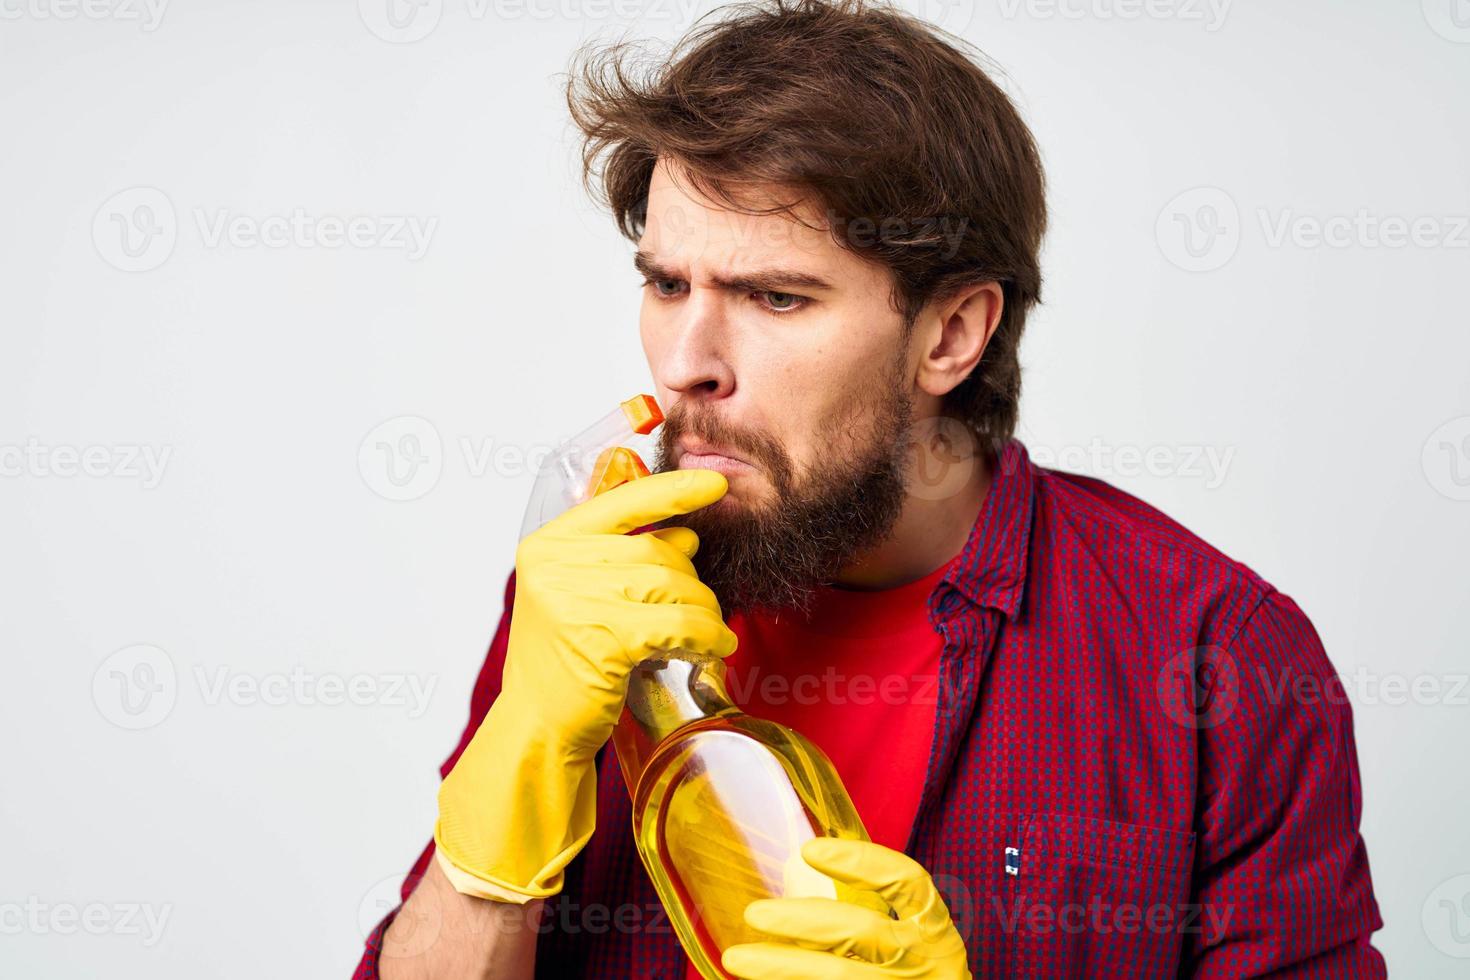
(487, 689)
(1282, 873)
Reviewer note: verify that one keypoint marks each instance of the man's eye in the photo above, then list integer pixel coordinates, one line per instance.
(666, 287)
(781, 302)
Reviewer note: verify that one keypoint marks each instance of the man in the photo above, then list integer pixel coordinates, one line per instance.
(1058, 712)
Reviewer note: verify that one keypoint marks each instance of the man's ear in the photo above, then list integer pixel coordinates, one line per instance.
(953, 335)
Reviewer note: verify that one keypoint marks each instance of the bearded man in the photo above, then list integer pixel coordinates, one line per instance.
(1052, 705)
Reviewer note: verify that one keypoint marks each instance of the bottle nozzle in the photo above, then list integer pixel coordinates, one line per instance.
(593, 460)
(643, 414)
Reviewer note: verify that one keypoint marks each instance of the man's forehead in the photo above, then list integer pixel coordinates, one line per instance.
(684, 227)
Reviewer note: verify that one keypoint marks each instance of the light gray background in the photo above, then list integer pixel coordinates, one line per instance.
(170, 634)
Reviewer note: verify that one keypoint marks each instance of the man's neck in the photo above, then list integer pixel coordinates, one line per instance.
(928, 532)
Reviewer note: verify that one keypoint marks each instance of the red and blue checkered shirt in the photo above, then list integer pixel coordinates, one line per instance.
(1138, 768)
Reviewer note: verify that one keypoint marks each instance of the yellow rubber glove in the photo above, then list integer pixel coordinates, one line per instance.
(834, 940)
(591, 601)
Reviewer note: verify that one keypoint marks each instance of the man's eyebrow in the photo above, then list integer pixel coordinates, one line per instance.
(774, 280)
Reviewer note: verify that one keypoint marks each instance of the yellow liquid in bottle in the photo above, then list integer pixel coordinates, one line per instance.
(722, 803)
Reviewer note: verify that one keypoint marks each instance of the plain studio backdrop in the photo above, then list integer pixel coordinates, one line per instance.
(292, 291)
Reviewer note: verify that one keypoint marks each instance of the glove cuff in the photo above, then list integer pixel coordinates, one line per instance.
(513, 813)
(475, 886)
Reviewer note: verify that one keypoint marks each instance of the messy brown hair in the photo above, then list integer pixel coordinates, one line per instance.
(919, 161)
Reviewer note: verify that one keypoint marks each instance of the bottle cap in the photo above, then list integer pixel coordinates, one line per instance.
(643, 414)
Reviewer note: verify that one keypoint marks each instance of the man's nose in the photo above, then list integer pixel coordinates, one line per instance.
(696, 360)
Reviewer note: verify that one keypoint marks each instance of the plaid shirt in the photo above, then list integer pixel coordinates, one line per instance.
(1138, 767)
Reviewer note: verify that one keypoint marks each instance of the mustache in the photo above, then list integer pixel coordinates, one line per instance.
(762, 450)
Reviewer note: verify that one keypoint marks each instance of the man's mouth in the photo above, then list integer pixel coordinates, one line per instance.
(696, 455)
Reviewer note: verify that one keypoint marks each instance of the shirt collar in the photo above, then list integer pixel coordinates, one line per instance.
(991, 570)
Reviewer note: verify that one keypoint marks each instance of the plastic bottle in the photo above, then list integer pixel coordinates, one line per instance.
(722, 801)
(593, 458)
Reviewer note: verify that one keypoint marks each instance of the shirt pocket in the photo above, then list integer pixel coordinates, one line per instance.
(1096, 898)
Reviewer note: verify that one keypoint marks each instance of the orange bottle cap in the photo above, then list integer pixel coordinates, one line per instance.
(643, 413)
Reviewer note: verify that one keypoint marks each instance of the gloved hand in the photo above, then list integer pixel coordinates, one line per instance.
(591, 601)
(835, 940)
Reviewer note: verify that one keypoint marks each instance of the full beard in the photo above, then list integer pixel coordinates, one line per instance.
(775, 555)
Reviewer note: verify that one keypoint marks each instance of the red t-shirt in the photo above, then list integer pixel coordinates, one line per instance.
(859, 679)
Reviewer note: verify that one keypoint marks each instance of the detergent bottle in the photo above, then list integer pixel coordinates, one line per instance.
(722, 801)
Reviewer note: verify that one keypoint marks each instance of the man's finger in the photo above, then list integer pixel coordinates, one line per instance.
(827, 924)
(781, 961)
(643, 628)
(902, 881)
(644, 501)
(680, 537)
